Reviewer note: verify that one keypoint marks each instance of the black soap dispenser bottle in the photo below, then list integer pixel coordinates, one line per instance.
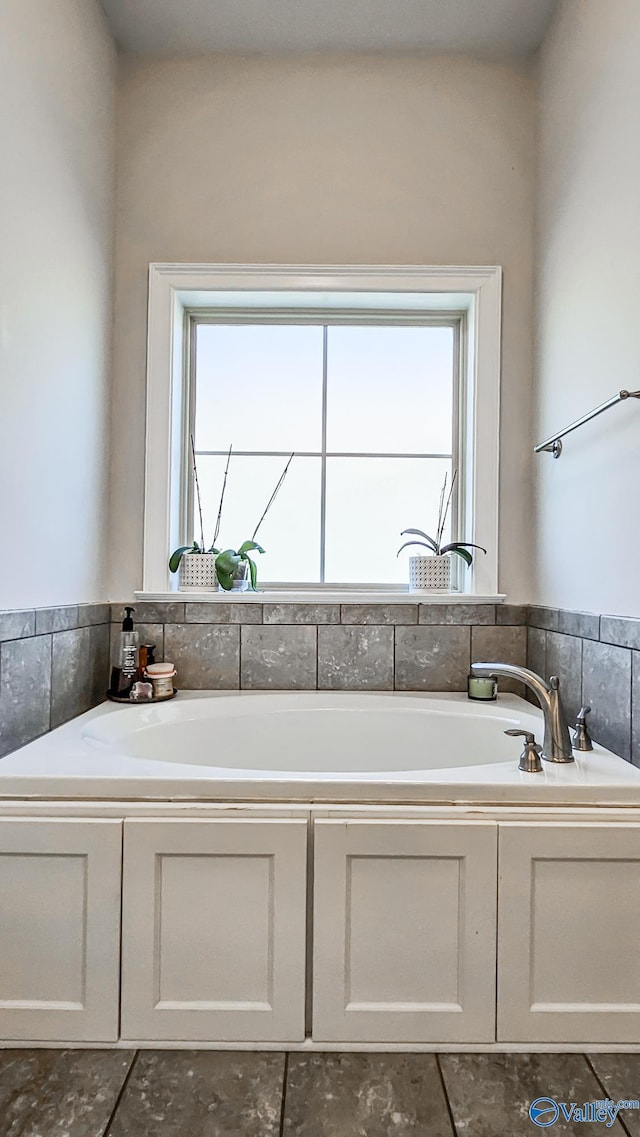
(125, 662)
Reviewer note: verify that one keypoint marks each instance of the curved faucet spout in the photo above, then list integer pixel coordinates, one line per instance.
(557, 741)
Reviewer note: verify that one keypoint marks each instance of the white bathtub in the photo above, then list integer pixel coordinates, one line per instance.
(311, 746)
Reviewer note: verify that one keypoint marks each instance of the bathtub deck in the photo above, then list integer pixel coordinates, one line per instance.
(63, 765)
(92, 1093)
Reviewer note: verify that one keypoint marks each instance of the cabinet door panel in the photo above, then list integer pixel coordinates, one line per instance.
(60, 929)
(569, 929)
(214, 923)
(404, 931)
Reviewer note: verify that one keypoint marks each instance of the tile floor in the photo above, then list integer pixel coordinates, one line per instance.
(93, 1093)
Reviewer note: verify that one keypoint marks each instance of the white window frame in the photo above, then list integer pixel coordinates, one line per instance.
(175, 290)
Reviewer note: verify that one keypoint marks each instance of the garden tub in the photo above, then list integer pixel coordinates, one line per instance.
(309, 746)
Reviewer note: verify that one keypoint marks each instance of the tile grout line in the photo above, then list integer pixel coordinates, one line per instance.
(605, 1092)
(283, 1103)
(106, 1131)
(454, 1130)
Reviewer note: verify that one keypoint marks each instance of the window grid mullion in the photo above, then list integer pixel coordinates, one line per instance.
(323, 459)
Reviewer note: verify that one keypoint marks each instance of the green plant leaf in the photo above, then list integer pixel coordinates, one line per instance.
(249, 546)
(466, 556)
(214, 551)
(419, 533)
(225, 579)
(253, 572)
(176, 556)
(227, 562)
(461, 545)
(407, 543)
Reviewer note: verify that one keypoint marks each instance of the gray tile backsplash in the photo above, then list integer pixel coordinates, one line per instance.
(564, 659)
(593, 656)
(278, 658)
(356, 658)
(206, 656)
(606, 688)
(54, 662)
(434, 658)
(25, 690)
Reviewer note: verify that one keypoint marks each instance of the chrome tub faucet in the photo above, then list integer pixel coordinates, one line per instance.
(557, 742)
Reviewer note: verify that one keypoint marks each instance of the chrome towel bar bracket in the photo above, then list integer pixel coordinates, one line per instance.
(553, 444)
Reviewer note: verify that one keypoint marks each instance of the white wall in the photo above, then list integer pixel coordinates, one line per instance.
(57, 90)
(588, 289)
(345, 160)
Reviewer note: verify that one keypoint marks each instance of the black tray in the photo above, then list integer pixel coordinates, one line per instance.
(127, 702)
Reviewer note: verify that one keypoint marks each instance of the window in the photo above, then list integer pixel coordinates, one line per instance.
(381, 380)
(368, 407)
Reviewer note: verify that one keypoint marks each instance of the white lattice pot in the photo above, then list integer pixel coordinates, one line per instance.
(198, 572)
(429, 574)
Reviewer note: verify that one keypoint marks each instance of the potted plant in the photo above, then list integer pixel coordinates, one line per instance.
(432, 572)
(195, 563)
(231, 569)
(235, 569)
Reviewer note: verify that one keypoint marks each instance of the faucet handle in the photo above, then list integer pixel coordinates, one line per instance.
(582, 738)
(530, 758)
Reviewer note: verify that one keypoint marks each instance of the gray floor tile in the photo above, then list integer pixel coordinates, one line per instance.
(490, 1094)
(59, 1093)
(365, 1095)
(183, 1093)
(620, 1078)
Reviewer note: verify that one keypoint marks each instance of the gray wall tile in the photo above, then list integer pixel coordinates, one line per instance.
(301, 613)
(243, 613)
(537, 651)
(280, 658)
(584, 624)
(606, 687)
(564, 658)
(16, 625)
(512, 613)
(379, 614)
(56, 619)
(89, 614)
(206, 656)
(99, 648)
(547, 618)
(457, 614)
(635, 709)
(432, 659)
(150, 611)
(355, 658)
(79, 671)
(500, 645)
(25, 691)
(621, 631)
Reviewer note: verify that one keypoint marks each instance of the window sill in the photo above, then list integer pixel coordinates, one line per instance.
(320, 596)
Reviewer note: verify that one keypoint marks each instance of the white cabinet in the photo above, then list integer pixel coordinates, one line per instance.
(569, 933)
(214, 926)
(404, 931)
(59, 929)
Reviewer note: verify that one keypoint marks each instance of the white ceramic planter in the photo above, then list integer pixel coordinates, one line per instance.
(198, 572)
(429, 574)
